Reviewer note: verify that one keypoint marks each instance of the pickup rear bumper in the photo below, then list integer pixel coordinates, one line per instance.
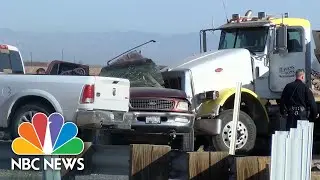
(100, 119)
(169, 121)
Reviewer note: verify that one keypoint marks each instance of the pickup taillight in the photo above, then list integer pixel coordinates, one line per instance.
(87, 94)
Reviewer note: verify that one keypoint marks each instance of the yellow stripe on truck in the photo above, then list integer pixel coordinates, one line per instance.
(292, 22)
(209, 106)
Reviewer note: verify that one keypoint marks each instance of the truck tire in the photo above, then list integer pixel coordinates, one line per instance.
(24, 114)
(246, 133)
(188, 141)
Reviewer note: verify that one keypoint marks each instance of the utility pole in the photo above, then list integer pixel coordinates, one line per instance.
(212, 23)
(74, 59)
(31, 58)
(62, 54)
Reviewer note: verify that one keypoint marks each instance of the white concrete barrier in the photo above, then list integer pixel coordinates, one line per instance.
(291, 154)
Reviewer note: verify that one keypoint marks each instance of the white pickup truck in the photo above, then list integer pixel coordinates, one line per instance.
(89, 101)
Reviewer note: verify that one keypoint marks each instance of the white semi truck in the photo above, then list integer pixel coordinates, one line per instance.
(262, 52)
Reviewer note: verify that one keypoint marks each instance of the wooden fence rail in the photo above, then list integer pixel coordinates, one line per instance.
(153, 162)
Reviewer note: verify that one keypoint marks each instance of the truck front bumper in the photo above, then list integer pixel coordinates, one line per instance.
(169, 121)
(177, 122)
(101, 119)
(208, 126)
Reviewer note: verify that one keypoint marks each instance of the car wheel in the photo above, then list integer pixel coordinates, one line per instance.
(25, 114)
(246, 132)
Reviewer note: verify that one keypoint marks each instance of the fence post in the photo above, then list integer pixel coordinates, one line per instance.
(50, 174)
(292, 152)
(310, 146)
(236, 109)
(149, 162)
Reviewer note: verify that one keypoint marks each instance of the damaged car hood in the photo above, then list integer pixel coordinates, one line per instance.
(156, 92)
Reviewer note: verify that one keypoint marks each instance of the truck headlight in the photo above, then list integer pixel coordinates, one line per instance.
(183, 106)
(209, 95)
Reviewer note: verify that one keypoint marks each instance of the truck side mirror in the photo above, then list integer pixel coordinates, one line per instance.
(281, 41)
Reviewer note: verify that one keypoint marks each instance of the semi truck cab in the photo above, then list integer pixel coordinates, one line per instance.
(263, 52)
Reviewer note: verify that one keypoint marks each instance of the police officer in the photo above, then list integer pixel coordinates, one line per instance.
(297, 101)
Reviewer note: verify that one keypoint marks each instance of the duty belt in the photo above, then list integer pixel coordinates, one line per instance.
(296, 110)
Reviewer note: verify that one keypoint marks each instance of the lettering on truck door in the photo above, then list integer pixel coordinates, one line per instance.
(283, 67)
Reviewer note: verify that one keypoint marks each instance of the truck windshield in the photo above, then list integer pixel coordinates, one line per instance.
(11, 60)
(141, 73)
(253, 39)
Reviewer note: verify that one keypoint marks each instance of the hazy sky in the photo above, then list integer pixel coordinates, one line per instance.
(165, 16)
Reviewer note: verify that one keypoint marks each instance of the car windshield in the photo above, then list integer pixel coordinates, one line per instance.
(253, 39)
(141, 72)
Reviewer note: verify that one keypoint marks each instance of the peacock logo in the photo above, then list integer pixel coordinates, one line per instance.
(47, 136)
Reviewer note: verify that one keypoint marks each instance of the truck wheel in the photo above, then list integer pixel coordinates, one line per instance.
(188, 141)
(246, 132)
(25, 114)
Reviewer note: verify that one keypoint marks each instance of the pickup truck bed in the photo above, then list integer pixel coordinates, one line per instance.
(89, 101)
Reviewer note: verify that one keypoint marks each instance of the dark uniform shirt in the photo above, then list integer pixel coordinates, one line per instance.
(297, 93)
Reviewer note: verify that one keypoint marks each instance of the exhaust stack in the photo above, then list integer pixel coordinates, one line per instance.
(248, 14)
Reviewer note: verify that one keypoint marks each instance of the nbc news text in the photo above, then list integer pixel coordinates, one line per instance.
(38, 164)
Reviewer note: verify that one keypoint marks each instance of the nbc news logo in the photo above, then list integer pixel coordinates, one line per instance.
(47, 136)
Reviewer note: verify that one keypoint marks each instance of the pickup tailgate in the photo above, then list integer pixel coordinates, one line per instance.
(112, 93)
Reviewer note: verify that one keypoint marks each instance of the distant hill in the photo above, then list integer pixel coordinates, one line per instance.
(97, 48)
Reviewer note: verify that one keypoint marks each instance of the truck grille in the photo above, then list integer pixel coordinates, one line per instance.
(156, 104)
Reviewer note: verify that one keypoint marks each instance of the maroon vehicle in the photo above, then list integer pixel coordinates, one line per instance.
(160, 115)
(157, 111)
(57, 67)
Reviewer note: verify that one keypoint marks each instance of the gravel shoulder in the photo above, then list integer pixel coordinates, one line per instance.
(25, 175)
